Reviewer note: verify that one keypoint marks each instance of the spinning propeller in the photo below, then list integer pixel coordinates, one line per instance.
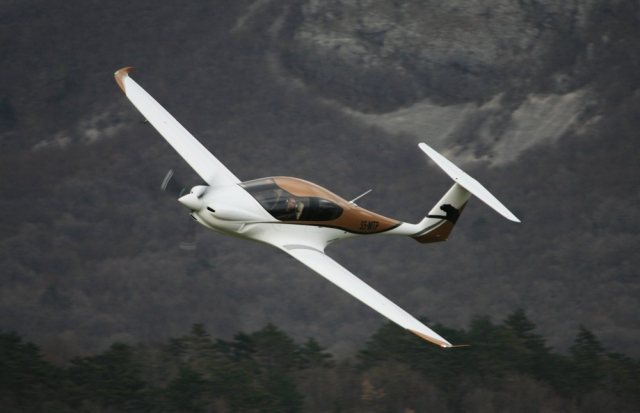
(174, 187)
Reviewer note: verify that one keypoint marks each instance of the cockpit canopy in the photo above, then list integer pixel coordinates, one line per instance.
(284, 206)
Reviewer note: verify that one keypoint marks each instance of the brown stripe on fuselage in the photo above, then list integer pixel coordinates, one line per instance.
(353, 219)
(437, 235)
(440, 233)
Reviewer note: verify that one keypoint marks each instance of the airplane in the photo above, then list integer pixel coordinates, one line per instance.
(302, 218)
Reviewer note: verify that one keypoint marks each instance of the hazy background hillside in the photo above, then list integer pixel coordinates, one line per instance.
(539, 102)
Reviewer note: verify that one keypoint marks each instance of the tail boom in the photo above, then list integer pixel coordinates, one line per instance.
(437, 226)
(439, 223)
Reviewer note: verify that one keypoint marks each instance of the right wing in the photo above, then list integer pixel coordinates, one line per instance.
(201, 160)
(337, 274)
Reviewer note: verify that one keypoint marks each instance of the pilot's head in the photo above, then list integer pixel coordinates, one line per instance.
(291, 204)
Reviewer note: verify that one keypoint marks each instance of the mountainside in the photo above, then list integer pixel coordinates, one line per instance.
(537, 101)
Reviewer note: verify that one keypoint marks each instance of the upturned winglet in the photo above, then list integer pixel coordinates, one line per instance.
(120, 74)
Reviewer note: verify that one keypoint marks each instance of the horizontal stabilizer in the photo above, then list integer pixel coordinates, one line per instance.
(468, 182)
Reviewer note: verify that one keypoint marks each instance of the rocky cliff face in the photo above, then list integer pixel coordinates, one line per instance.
(493, 132)
(482, 80)
(398, 52)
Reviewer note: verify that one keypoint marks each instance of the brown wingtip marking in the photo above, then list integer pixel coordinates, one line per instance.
(442, 344)
(120, 74)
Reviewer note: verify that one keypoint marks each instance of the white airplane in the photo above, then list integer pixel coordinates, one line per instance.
(302, 218)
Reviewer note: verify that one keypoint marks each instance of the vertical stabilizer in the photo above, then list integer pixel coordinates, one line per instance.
(441, 219)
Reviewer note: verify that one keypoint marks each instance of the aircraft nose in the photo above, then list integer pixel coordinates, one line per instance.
(191, 202)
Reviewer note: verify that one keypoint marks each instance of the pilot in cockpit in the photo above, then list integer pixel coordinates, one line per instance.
(293, 210)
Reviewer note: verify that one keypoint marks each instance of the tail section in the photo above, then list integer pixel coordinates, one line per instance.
(439, 223)
(468, 182)
(441, 219)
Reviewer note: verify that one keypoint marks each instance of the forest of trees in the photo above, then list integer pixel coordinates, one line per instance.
(506, 368)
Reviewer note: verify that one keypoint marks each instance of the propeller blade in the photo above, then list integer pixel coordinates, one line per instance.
(189, 240)
(172, 186)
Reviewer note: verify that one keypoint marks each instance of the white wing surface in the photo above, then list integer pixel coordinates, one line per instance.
(337, 274)
(201, 160)
(468, 182)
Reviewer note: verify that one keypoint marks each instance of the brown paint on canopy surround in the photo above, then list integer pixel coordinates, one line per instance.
(352, 217)
(120, 74)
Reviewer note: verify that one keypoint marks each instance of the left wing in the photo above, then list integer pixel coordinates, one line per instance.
(197, 156)
(337, 274)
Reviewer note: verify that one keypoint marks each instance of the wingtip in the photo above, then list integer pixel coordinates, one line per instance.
(509, 215)
(441, 343)
(120, 74)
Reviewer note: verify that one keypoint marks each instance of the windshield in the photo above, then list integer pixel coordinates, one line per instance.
(284, 206)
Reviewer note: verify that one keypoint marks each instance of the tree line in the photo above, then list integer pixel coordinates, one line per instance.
(507, 367)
